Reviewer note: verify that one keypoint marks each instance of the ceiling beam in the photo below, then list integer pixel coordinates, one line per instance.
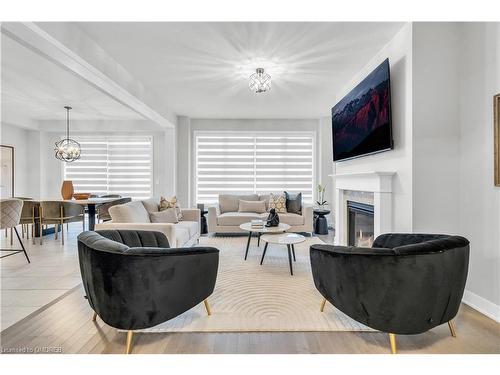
(39, 41)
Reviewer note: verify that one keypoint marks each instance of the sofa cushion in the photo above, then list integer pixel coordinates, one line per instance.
(190, 226)
(265, 198)
(252, 206)
(167, 216)
(287, 218)
(278, 202)
(151, 205)
(294, 203)
(170, 203)
(237, 218)
(132, 212)
(231, 202)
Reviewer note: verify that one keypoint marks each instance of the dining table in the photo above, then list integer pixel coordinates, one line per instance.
(89, 203)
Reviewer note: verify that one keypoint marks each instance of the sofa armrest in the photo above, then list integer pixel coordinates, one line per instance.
(168, 229)
(212, 219)
(307, 212)
(191, 214)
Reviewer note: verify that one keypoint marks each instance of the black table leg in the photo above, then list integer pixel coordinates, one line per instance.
(264, 253)
(293, 252)
(288, 247)
(258, 240)
(91, 212)
(248, 244)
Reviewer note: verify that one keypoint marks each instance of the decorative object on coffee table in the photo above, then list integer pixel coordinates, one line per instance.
(496, 119)
(67, 189)
(273, 220)
(288, 239)
(260, 231)
(320, 222)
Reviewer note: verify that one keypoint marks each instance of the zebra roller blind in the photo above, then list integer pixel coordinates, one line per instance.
(113, 165)
(261, 164)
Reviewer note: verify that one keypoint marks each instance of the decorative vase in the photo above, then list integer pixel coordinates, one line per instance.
(67, 189)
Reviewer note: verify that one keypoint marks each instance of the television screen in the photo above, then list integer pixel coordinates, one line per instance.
(361, 121)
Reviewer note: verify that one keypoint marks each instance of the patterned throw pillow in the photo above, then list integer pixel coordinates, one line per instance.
(170, 203)
(278, 202)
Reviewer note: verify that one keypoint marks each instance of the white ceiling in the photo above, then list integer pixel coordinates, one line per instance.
(35, 88)
(201, 70)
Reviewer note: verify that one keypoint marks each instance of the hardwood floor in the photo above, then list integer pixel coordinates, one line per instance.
(66, 326)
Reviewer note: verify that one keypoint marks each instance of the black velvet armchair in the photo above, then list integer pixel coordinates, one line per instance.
(133, 280)
(405, 284)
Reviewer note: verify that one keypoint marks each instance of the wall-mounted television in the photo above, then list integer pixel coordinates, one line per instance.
(361, 121)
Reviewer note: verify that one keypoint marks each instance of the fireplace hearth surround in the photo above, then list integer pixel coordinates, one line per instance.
(360, 222)
(378, 183)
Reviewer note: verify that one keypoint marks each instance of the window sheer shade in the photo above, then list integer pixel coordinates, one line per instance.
(253, 164)
(113, 165)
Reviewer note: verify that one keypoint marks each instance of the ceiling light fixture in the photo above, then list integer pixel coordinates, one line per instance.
(260, 81)
(67, 149)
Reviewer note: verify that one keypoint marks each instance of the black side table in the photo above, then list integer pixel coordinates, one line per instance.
(203, 222)
(320, 223)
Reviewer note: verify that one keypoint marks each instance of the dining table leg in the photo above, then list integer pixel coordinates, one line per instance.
(91, 212)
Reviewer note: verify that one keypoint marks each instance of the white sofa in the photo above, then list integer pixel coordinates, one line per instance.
(225, 218)
(135, 215)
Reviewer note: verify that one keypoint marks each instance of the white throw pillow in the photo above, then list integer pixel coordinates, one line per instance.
(132, 212)
(166, 216)
(252, 206)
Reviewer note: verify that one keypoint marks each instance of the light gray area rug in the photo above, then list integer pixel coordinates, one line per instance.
(249, 297)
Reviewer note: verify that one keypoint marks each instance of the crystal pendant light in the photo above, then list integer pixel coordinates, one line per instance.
(260, 81)
(67, 150)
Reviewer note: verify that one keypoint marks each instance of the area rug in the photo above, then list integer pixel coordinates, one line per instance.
(249, 297)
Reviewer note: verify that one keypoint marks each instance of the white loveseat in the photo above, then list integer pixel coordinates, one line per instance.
(135, 215)
(225, 217)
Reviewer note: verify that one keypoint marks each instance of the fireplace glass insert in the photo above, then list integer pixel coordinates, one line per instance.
(360, 224)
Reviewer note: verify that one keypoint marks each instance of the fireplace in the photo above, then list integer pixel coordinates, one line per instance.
(360, 220)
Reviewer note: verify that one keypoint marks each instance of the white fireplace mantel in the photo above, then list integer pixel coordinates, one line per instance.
(378, 183)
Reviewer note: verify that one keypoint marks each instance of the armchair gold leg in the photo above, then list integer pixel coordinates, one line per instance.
(207, 307)
(322, 306)
(452, 328)
(392, 339)
(128, 348)
(94, 317)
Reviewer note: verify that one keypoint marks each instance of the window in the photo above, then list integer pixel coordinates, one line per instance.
(261, 164)
(113, 165)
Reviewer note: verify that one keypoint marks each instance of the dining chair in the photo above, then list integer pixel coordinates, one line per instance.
(59, 213)
(22, 226)
(10, 216)
(30, 215)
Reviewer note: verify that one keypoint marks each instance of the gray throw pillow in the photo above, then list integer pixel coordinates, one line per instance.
(294, 203)
(166, 216)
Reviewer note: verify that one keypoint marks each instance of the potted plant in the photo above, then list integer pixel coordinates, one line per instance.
(321, 202)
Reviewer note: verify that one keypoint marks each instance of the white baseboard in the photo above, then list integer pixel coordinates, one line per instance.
(482, 305)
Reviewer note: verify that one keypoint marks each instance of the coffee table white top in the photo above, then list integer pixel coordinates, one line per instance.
(283, 239)
(282, 227)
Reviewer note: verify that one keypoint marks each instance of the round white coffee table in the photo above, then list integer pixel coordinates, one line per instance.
(282, 227)
(288, 239)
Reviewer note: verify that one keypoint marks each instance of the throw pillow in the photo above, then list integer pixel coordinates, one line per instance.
(278, 202)
(166, 216)
(258, 207)
(294, 203)
(170, 203)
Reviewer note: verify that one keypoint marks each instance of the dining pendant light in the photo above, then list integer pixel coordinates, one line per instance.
(67, 149)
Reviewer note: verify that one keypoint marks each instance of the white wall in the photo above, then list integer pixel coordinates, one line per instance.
(187, 127)
(435, 125)
(399, 160)
(22, 141)
(479, 200)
